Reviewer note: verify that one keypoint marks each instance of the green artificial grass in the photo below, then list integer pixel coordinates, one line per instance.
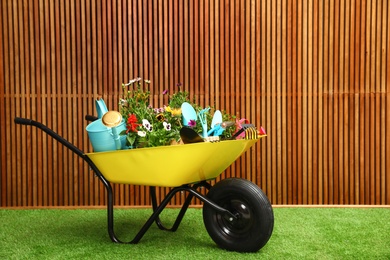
(299, 233)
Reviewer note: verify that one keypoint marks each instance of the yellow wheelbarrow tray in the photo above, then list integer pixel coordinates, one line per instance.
(170, 166)
(236, 213)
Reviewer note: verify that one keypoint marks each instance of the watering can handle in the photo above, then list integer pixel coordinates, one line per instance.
(91, 118)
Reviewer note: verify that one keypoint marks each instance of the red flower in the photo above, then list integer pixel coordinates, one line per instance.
(132, 123)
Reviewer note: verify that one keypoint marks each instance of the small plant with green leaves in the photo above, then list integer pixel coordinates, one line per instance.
(147, 126)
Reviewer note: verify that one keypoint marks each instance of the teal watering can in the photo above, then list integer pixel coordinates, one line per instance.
(104, 132)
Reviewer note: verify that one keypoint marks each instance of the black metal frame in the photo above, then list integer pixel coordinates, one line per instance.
(191, 189)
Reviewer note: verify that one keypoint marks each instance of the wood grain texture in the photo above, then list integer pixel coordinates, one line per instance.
(315, 74)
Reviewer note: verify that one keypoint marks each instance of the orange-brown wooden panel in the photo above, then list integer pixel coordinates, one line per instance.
(315, 74)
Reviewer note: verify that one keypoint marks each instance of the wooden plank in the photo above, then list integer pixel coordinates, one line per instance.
(362, 100)
(289, 102)
(73, 113)
(20, 78)
(320, 102)
(352, 132)
(331, 92)
(3, 77)
(186, 60)
(330, 71)
(336, 112)
(263, 91)
(26, 107)
(61, 76)
(273, 92)
(40, 90)
(326, 105)
(343, 102)
(299, 97)
(32, 138)
(315, 102)
(252, 159)
(180, 33)
(378, 54)
(341, 87)
(196, 49)
(268, 92)
(366, 103)
(6, 163)
(372, 105)
(50, 56)
(283, 114)
(191, 48)
(305, 128)
(385, 101)
(387, 124)
(310, 99)
(74, 184)
(346, 105)
(357, 87)
(279, 100)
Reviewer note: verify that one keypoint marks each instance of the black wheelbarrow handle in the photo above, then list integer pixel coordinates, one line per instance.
(23, 121)
(26, 121)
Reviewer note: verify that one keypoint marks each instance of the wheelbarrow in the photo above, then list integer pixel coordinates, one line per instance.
(236, 213)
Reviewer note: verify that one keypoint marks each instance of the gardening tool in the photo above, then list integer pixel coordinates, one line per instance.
(188, 112)
(203, 120)
(247, 131)
(189, 136)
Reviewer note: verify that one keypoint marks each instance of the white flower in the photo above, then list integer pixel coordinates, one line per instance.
(147, 125)
(132, 81)
(141, 133)
(123, 102)
(167, 126)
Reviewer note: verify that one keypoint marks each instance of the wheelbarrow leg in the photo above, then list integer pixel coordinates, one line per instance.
(165, 202)
(183, 209)
(156, 209)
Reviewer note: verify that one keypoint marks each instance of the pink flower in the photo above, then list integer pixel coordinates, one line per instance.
(239, 123)
(192, 123)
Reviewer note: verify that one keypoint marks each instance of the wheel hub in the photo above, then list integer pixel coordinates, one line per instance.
(243, 221)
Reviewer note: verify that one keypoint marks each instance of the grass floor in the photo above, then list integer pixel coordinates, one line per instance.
(299, 233)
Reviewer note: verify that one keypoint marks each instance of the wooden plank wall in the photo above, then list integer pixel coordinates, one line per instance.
(315, 74)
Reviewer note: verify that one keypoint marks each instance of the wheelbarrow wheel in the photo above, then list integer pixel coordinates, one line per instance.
(254, 222)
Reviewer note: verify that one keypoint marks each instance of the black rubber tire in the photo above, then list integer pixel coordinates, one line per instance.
(254, 226)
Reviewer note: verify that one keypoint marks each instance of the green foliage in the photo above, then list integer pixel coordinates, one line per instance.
(178, 98)
(148, 126)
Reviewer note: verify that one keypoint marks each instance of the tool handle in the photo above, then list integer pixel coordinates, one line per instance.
(91, 118)
(23, 121)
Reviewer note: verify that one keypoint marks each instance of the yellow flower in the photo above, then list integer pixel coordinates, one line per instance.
(176, 112)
